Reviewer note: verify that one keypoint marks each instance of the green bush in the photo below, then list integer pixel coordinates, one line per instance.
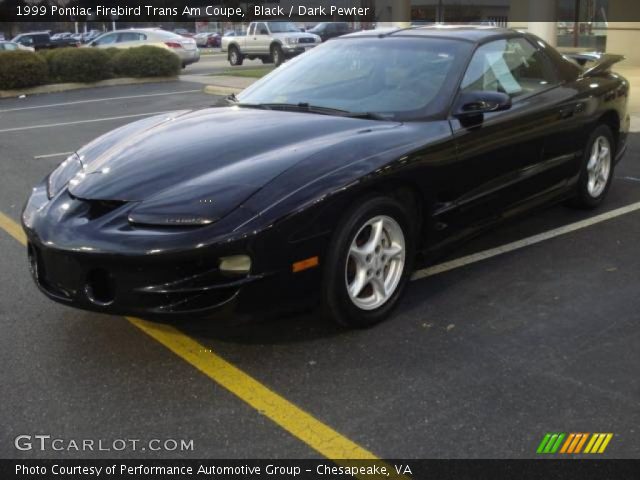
(20, 69)
(146, 61)
(78, 64)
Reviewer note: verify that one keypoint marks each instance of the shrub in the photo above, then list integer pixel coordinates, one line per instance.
(78, 64)
(146, 61)
(20, 69)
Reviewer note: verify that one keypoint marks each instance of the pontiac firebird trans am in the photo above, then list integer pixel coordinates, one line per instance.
(324, 181)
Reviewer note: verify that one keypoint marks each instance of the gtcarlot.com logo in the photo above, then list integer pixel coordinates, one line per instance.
(574, 443)
(47, 442)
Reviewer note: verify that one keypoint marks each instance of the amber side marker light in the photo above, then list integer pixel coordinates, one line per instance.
(305, 264)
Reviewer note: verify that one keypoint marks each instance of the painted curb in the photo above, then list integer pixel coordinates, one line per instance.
(64, 87)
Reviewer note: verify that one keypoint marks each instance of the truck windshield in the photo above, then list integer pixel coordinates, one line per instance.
(395, 77)
(282, 27)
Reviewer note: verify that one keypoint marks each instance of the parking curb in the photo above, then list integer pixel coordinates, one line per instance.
(64, 87)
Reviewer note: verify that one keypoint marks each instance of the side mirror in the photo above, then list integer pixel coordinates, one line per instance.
(264, 31)
(472, 104)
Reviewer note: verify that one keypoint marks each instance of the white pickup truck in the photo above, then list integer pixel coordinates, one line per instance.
(272, 42)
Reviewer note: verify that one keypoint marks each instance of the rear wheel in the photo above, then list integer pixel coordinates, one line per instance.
(369, 263)
(277, 55)
(235, 57)
(596, 173)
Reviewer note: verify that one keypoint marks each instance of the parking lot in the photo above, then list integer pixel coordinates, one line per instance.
(479, 361)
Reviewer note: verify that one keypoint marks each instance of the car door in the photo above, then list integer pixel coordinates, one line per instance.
(501, 158)
(262, 38)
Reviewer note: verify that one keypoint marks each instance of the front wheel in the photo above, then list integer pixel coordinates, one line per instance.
(277, 55)
(596, 173)
(369, 263)
(235, 57)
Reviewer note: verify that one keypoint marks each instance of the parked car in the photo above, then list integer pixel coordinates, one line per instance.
(272, 42)
(11, 46)
(327, 30)
(208, 40)
(43, 40)
(184, 47)
(324, 180)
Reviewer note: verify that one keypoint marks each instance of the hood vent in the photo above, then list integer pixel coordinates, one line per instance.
(100, 208)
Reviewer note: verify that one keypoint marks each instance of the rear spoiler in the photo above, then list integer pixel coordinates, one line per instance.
(595, 63)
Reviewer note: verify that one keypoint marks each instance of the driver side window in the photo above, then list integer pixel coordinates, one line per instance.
(512, 66)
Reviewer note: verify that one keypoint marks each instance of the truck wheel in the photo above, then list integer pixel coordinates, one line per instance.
(277, 55)
(235, 57)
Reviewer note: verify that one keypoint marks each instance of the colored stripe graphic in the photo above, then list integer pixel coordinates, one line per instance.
(598, 443)
(550, 443)
(572, 443)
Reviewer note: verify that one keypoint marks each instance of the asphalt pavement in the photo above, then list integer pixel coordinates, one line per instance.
(478, 362)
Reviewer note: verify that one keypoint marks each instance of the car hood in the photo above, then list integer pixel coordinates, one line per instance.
(219, 156)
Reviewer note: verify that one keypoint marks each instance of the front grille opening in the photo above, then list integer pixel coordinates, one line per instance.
(100, 288)
(100, 208)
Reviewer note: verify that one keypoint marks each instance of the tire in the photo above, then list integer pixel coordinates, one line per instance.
(596, 171)
(235, 57)
(351, 294)
(277, 55)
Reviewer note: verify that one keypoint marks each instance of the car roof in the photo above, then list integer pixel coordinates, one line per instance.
(470, 33)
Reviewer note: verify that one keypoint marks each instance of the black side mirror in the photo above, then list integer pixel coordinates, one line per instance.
(472, 104)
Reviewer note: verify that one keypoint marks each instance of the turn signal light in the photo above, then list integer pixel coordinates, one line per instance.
(305, 264)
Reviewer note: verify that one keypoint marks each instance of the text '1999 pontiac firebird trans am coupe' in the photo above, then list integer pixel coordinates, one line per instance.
(324, 181)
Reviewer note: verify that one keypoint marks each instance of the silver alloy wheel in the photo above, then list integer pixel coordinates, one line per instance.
(599, 166)
(375, 262)
(276, 56)
(234, 56)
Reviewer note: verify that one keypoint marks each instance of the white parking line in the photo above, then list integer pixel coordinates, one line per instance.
(51, 155)
(100, 100)
(510, 247)
(106, 119)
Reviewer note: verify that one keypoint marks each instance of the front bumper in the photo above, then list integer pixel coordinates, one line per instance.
(296, 49)
(102, 264)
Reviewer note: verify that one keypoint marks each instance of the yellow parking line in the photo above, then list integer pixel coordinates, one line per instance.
(302, 425)
(292, 418)
(12, 228)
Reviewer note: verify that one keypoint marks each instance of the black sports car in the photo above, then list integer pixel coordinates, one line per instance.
(325, 180)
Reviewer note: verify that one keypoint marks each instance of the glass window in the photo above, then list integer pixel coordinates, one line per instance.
(512, 66)
(261, 29)
(403, 78)
(106, 39)
(252, 30)
(131, 37)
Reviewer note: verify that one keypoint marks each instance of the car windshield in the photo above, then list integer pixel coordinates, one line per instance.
(281, 27)
(397, 78)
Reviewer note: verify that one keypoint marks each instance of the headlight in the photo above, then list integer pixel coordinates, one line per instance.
(62, 175)
(290, 40)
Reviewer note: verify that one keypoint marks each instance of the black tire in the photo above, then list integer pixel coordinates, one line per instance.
(235, 57)
(337, 304)
(584, 198)
(277, 55)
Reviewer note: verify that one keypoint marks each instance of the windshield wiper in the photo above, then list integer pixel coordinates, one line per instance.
(306, 107)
